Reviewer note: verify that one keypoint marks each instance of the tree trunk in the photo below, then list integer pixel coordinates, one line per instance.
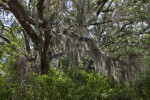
(44, 63)
(45, 58)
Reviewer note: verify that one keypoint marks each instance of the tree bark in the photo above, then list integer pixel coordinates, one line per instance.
(44, 63)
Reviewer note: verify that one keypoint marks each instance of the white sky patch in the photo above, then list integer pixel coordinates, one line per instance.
(7, 18)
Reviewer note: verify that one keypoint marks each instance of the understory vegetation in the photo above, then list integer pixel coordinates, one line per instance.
(62, 86)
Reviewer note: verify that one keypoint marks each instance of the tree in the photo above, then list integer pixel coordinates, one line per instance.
(84, 26)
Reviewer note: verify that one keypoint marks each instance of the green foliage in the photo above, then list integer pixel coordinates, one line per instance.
(121, 92)
(143, 88)
(59, 86)
(5, 90)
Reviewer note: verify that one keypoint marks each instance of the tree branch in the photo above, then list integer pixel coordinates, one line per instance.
(25, 15)
(88, 65)
(4, 38)
(27, 42)
(58, 55)
(107, 10)
(99, 23)
(37, 40)
(40, 7)
(121, 19)
(101, 6)
(4, 6)
(22, 12)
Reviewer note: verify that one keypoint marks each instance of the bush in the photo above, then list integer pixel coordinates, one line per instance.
(5, 89)
(59, 86)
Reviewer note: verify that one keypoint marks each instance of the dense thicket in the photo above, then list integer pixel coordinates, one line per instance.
(87, 86)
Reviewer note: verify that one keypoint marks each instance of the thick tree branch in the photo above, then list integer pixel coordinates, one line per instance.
(109, 21)
(40, 7)
(107, 10)
(22, 12)
(37, 40)
(101, 6)
(26, 16)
